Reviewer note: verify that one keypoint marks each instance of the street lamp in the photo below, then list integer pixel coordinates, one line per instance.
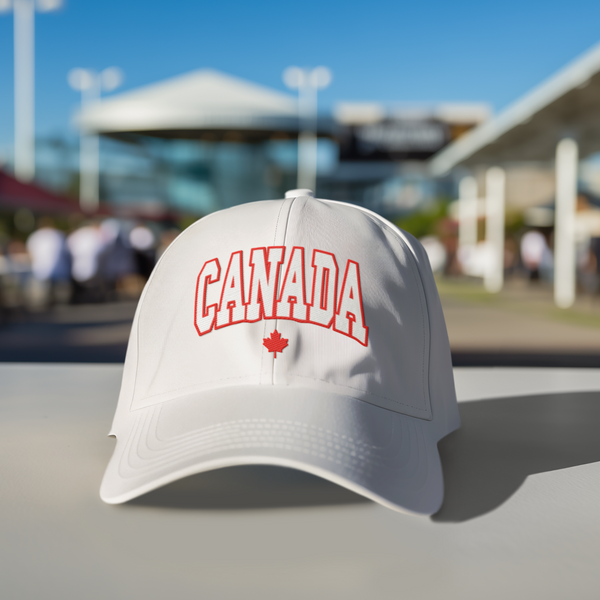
(24, 49)
(307, 82)
(91, 85)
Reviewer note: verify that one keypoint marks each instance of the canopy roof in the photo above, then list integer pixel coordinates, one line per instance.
(15, 195)
(566, 104)
(202, 103)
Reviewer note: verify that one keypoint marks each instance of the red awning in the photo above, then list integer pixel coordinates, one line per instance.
(15, 195)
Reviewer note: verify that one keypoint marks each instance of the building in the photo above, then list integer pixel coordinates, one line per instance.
(207, 140)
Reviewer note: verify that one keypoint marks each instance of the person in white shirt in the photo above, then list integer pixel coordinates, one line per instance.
(536, 255)
(86, 245)
(50, 262)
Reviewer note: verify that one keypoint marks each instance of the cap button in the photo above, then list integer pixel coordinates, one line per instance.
(300, 192)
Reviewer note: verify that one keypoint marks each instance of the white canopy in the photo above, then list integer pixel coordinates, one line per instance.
(565, 105)
(187, 105)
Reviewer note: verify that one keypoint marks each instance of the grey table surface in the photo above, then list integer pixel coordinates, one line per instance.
(521, 516)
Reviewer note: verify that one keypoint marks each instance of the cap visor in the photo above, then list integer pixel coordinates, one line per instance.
(388, 457)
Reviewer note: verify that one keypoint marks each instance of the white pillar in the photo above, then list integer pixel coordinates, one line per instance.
(91, 84)
(89, 158)
(307, 139)
(564, 222)
(467, 212)
(24, 159)
(495, 180)
(89, 153)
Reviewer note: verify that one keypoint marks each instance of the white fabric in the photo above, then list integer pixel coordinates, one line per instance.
(341, 439)
(198, 333)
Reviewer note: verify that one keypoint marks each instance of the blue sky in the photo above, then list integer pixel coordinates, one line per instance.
(378, 50)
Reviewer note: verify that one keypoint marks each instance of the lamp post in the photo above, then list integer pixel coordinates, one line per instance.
(24, 73)
(307, 82)
(91, 85)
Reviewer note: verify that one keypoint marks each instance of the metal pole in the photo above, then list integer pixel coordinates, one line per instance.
(467, 212)
(307, 138)
(307, 82)
(24, 160)
(495, 180)
(89, 154)
(567, 156)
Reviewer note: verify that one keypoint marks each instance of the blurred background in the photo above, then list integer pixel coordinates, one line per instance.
(475, 128)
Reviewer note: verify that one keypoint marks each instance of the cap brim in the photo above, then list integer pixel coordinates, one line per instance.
(388, 457)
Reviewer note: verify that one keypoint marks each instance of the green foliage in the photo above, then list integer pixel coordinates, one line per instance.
(514, 223)
(186, 221)
(423, 222)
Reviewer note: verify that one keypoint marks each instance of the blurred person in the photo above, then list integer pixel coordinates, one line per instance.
(50, 264)
(117, 261)
(587, 271)
(4, 271)
(4, 266)
(18, 257)
(436, 252)
(18, 273)
(595, 251)
(85, 245)
(475, 259)
(586, 230)
(511, 254)
(447, 230)
(143, 242)
(536, 255)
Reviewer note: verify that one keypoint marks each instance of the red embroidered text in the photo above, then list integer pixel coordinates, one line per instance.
(267, 284)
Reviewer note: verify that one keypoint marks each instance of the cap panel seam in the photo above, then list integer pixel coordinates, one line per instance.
(419, 282)
(143, 297)
(262, 356)
(384, 223)
(423, 291)
(287, 222)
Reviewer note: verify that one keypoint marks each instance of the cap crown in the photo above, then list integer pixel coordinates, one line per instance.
(298, 292)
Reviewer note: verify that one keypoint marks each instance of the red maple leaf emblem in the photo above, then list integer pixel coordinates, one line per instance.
(275, 343)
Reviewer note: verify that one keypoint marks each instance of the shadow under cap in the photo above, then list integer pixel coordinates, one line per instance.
(248, 487)
(503, 441)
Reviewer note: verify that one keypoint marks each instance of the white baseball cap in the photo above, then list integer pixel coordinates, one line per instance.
(300, 332)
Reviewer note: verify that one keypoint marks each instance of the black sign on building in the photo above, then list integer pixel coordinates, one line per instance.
(393, 140)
